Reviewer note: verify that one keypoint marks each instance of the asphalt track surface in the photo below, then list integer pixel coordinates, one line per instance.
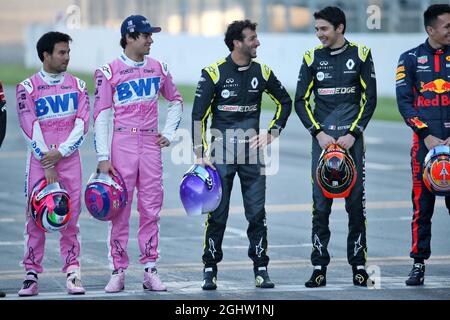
(288, 206)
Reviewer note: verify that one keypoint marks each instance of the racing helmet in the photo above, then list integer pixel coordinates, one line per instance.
(200, 190)
(436, 170)
(336, 172)
(49, 206)
(105, 195)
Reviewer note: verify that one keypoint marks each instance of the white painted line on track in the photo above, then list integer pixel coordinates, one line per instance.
(104, 241)
(193, 287)
(187, 266)
(404, 218)
(386, 167)
(11, 243)
(373, 140)
(272, 246)
(236, 231)
(270, 208)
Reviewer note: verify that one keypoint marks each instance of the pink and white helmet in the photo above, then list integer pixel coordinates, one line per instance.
(105, 195)
(49, 206)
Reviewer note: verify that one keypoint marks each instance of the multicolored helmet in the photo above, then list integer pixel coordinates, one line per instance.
(49, 206)
(336, 172)
(436, 170)
(105, 195)
(200, 190)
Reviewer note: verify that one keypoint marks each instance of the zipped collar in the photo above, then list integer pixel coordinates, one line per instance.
(132, 63)
(51, 78)
(433, 50)
(337, 51)
(237, 67)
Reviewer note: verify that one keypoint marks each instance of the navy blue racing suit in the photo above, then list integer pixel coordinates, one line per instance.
(422, 88)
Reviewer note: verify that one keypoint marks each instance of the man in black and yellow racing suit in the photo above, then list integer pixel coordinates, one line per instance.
(230, 91)
(341, 76)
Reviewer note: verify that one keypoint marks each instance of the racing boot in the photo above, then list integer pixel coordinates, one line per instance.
(30, 285)
(417, 275)
(318, 277)
(360, 276)
(262, 279)
(209, 278)
(152, 282)
(73, 282)
(117, 282)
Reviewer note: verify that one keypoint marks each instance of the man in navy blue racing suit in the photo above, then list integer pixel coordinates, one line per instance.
(423, 86)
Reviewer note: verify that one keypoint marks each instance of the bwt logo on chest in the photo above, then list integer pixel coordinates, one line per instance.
(137, 90)
(57, 105)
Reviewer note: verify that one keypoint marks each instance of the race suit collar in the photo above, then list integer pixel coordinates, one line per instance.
(336, 51)
(132, 63)
(433, 50)
(237, 67)
(51, 78)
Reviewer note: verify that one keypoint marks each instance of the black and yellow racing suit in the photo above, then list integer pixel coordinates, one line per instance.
(343, 83)
(231, 95)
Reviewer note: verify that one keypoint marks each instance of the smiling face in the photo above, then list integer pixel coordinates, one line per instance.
(58, 60)
(141, 45)
(439, 32)
(247, 47)
(327, 34)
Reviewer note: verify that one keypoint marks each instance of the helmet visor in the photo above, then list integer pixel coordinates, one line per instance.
(104, 178)
(51, 188)
(200, 172)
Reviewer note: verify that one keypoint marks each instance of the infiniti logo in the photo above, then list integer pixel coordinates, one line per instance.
(229, 80)
(323, 63)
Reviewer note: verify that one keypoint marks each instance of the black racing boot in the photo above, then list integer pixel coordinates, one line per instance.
(318, 277)
(209, 278)
(262, 279)
(417, 275)
(360, 276)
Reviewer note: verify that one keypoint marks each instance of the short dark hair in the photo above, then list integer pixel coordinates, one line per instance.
(430, 15)
(234, 31)
(47, 42)
(333, 15)
(123, 40)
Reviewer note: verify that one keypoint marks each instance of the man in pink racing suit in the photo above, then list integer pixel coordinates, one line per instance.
(129, 88)
(53, 110)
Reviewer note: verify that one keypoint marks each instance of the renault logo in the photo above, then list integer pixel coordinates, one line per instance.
(254, 83)
(350, 64)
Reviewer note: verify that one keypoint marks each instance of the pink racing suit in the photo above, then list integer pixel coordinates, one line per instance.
(53, 113)
(131, 90)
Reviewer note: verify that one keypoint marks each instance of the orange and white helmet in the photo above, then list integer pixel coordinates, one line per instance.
(336, 172)
(436, 170)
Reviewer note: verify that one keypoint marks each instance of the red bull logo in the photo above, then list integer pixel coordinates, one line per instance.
(417, 123)
(437, 86)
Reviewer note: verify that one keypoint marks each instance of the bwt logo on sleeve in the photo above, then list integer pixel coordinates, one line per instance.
(137, 90)
(56, 106)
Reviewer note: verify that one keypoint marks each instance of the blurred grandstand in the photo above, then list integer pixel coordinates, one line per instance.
(204, 17)
(285, 28)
